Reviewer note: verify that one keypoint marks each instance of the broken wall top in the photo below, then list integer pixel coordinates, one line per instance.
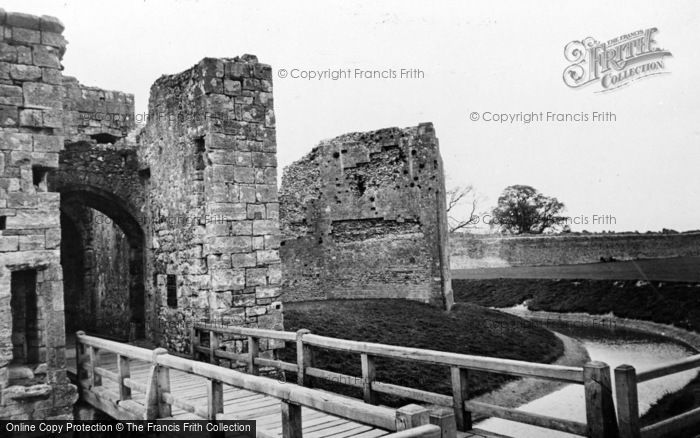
(390, 174)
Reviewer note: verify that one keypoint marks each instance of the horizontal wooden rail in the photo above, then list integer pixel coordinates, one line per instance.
(480, 363)
(671, 425)
(343, 379)
(678, 366)
(247, 331)
(599, 405)
(275, 363)
(413, 394)
(425, 431)
(159, 398)
(547, 422)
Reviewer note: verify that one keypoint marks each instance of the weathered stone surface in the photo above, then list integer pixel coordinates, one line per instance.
(18, 19)
(39, 95)
(24, 73)
(364, 217)
(196, 184)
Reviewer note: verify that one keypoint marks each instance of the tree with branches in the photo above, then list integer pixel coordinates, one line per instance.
(457, 197)
(524, 210)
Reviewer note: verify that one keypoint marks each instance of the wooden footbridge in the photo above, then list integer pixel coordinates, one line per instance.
(133, 383)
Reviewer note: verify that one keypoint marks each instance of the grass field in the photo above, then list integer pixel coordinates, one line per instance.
(685, 269)
(468, 329)
(664, 302)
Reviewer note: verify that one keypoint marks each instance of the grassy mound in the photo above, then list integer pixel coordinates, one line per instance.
(663, 302)
(467, 329)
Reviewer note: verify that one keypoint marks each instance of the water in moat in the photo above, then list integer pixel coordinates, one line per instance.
(614, 348)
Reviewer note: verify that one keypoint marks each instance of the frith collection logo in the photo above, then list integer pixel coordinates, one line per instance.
(615, 63)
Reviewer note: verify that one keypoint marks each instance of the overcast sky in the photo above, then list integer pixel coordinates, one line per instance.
(507, 57)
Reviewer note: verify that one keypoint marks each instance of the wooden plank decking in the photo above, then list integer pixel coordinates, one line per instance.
(240, 404)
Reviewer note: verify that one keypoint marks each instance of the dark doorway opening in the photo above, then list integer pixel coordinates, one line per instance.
(26, 333)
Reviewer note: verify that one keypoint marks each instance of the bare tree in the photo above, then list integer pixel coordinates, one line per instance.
(456, 197)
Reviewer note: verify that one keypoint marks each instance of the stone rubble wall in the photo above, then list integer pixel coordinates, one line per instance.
(31, 122)
(211, 152)
(363, 216)
(469, 251)
(91, 113)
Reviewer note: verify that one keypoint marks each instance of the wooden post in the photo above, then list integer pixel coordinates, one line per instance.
(627, 401)
(460, 394)
(600, 409)
(158, 382)
(291, 420)
(369, 374)
(194, 342)
(79, 358)
(215, 399)
(123, 372)
(445, 418)
(253, 349)
(95, 379)
(304, 359)
(213, 346)
(411, 416)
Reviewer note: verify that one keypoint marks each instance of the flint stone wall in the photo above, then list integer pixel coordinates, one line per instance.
(363, 216)
(469, 251)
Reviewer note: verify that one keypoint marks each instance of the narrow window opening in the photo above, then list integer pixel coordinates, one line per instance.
(39, 178)
(3, 222)
(171, 286)
(26, 341)
(199, 150)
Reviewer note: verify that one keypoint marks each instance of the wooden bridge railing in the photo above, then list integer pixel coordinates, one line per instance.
(626, 381)
(409, 422)
(594, 376)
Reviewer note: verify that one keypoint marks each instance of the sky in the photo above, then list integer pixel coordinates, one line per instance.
(637, 172)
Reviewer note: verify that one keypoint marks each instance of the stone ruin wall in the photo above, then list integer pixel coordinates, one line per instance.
(31, 118)
(469, 251)
(210, 148)
(363, 216)
(194, 196)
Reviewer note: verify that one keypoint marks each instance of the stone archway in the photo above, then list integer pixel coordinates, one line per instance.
(123, 314)
(102, 200)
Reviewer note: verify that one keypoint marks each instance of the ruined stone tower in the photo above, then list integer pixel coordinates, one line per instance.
(363, 216)
(131, 233)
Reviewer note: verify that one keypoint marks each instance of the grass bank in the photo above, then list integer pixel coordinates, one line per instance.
(467, 329)
(673, 303)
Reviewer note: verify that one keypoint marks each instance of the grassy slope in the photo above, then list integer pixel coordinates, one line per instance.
(467, 329)
(669, 303)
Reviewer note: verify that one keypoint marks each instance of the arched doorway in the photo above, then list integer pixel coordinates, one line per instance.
(103, 262)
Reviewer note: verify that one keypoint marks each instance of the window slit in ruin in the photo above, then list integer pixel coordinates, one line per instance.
(39, 178)
(3, 222)
(199, 151)
(171, 287)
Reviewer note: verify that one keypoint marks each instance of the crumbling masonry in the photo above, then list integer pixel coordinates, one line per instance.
(139, 232)
(130, 233)
(363, 216)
